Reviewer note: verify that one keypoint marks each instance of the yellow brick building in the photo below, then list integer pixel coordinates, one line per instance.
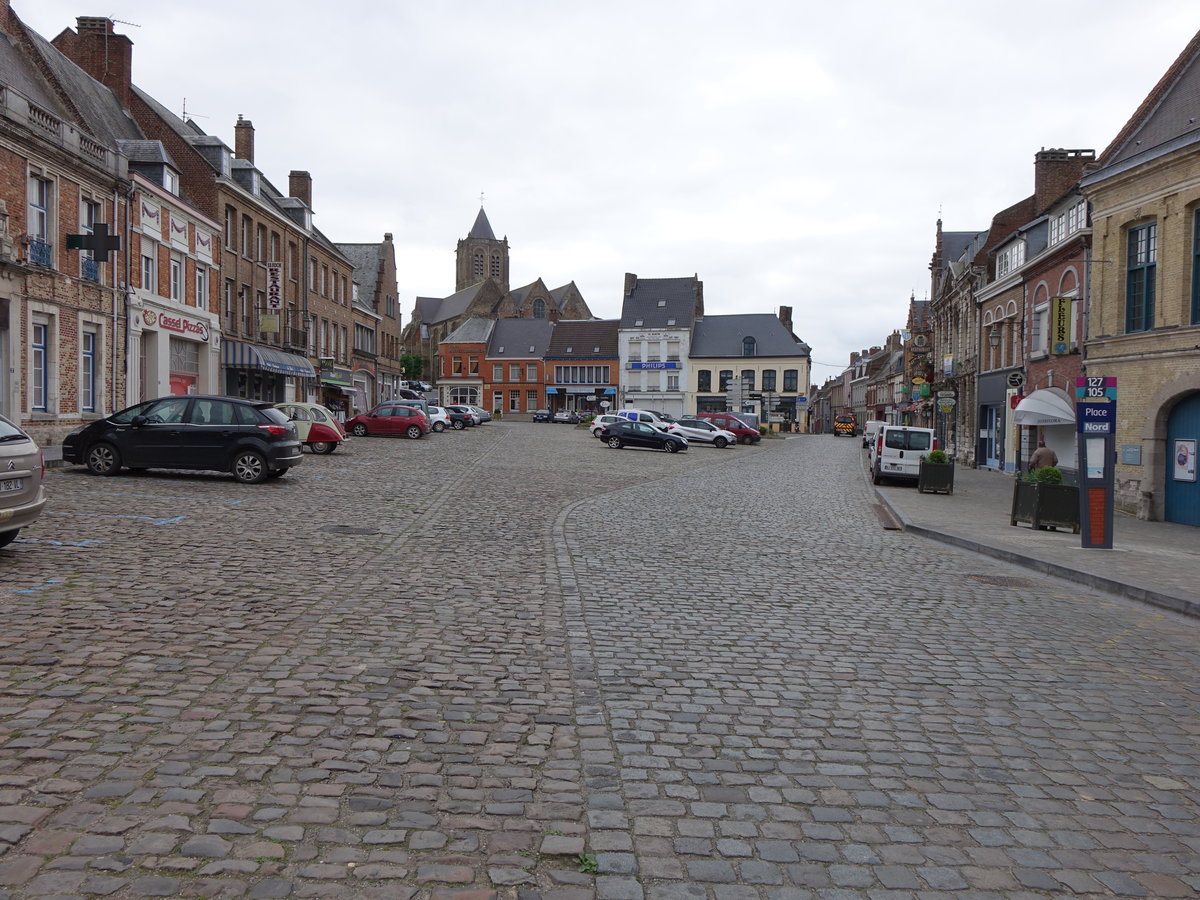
(1144, 313)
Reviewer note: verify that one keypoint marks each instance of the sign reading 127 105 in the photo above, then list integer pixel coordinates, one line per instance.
(1090, 388)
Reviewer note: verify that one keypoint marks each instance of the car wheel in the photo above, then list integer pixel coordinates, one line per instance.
(250, 467)
(359, 429)
(7, 537)
(439, 427)
(720, 443)
(322, 446)
(414, 432)
(615, 443)
(459, 425)
(672, 447)
(103, 459)
(744, 440)
(876, 477)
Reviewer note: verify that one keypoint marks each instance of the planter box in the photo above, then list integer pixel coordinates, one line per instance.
(935, 478)
(1046, 505)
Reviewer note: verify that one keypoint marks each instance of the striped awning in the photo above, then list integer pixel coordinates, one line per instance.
(240, 355)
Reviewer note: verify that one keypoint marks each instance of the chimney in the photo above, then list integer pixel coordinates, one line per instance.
(785, 316)
(1055, 172)
(102, 53)
(630, 283)
(300, 186)
(243, 139)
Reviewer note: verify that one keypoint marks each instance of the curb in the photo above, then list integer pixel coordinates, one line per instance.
(1099, 582)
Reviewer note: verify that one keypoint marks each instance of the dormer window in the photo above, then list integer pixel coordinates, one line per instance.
(662, 303)
(595, 349)
(171, 180)
(670, 321)
(748, 346)
(637, 322)
(499, 349)
(570, 349)
(531, 348)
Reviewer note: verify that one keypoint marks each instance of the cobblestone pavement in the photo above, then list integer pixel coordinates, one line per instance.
(511, 662)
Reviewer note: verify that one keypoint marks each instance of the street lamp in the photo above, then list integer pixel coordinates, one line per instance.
(994, 337)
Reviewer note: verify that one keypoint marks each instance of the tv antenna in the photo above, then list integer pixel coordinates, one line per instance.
(184, 115)
(123, 22)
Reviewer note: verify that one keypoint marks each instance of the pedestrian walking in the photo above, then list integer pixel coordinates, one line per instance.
(1042, 456)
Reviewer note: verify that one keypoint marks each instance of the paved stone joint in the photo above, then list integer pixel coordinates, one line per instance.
(672, 676)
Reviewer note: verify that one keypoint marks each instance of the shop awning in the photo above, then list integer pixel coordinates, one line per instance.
(1045, 407)
(240, 355)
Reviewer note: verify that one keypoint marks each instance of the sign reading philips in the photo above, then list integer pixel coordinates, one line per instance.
(654, 365)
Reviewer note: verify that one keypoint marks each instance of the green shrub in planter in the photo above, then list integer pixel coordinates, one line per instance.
(935, 474)
(1048, 475)
(937, 456)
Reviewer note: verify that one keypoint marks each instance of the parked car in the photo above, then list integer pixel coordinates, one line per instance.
(569, 416)
(541, 415)
(316, 427)
(22, 471)
(484, 415)
(641, 434)
(439, 419)
(898, 452)
(870, 430)
(393, 417)
(459, 418)
(702, 431)
(466, 411)
(643, 415)
(731, 422)
(597, 424)
(249, 438)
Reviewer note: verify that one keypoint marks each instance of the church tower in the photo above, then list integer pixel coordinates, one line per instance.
(480, 255)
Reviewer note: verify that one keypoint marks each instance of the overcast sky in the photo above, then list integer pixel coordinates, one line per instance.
(789, 153)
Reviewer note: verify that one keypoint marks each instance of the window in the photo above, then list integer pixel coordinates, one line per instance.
(1196, 268)
(531, 399)
(497, 371)
(531, 372)
(704, 380)
(458, 365)
(1139, 278)
(230, 228)
(539, 309)
(635, 351)
(791, 380)
(768, 379)
(260, 243)
(514, 372)
(495, 265)
(201, 287)
(176, 278)
(514, 401)
(89, 215)
(723, 380)
(171, 180)
(673, 350)
(247, 232)
(1010, 259)
(230, 309)
(477, 265)
(88, 348)
(149, 267)
(1039, 335)
(39, 362)
(497, 399)
(39, 221)
(749, 346)
(474, 363)
(672, 382)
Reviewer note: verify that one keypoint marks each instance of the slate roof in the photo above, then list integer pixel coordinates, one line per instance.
(102, 112)
(642, 303)
(146, 152)
(365, 259)
(722, 336)
(482, 229)
(449, 307)
(473, 330)
(520, 338)
(579, 338)
(18, 72)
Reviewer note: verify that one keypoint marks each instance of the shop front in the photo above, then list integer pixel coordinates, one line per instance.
(263, 373)
(173, 353)
(337, 393)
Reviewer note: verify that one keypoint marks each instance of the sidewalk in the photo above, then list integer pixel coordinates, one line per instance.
(1153, 562)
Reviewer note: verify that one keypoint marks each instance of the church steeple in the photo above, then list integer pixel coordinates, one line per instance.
(480, 255)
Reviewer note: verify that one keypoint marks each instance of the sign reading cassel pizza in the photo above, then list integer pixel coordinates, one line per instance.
(178, 324)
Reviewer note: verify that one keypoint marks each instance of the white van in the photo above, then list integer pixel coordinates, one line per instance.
(898, 452)
(871, 431)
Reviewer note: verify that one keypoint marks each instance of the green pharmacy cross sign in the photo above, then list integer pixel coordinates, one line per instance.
(100, 242)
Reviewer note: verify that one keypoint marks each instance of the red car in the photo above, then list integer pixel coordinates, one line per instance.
(390, 418)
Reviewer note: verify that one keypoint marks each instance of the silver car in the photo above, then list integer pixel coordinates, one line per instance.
(22, 469)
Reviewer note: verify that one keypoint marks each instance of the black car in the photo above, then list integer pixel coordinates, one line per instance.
(640, 434)
(249, 438)
(541, 415)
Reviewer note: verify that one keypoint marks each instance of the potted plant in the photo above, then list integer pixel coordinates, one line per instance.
(1041, 500)
(936, 473)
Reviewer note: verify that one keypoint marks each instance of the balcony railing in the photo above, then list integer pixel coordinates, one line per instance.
(40, 253)
(89, 269)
